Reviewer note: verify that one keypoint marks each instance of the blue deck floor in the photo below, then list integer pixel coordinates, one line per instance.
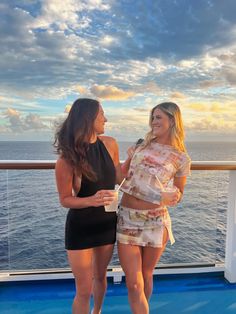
(193, 294)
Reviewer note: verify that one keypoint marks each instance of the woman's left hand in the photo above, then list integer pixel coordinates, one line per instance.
(171, 198)
(102, 198)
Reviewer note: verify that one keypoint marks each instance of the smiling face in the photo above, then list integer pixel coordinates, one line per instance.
(161, 125)
(99, 122)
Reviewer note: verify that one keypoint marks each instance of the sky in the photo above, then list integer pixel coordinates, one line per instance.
(128, 54)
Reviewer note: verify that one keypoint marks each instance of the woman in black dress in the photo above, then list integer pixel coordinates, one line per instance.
(86, 172)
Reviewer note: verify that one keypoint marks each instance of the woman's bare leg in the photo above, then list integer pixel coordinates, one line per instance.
(150, 258)
(131, 261)
(81, 264)
(101, 258)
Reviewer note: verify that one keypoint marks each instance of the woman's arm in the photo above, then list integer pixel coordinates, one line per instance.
(64, 180)
(125, 166)
(172, 198)
(113, 149)
(116, 160)
(180, 182)
(130, 152)
(126, 163)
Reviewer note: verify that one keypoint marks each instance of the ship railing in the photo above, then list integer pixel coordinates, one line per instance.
(229, 267)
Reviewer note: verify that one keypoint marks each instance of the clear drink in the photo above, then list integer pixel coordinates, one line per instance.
(170, 190)
(114, 205)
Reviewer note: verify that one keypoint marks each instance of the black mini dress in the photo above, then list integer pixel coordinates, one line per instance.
(91, 226)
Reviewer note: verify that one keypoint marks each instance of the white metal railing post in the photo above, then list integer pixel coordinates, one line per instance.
(230, 250)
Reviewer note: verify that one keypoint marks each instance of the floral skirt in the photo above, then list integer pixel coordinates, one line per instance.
(143, 227)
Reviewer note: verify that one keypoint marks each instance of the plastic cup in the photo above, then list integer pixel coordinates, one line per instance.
(114, 205)
(170, 190)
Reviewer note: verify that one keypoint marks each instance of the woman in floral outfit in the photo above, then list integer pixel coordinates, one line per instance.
(144, 224)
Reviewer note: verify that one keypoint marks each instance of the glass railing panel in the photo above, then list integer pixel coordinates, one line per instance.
(4, 218)
(199, 221)
(221, 213)
(36, 221)
(32, 221)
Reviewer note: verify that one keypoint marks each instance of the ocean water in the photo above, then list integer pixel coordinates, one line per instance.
(32, 220)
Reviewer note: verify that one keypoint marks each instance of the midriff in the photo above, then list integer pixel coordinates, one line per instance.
(130, 201)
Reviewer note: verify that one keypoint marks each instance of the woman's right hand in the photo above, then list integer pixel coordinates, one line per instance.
(130, 151)
(102, 198)
(125, 165)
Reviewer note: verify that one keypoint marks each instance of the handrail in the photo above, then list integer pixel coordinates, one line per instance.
(27, 164)
(50, 164)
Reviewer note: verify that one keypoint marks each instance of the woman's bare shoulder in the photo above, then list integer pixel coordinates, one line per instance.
(63, 164)
(108, 141)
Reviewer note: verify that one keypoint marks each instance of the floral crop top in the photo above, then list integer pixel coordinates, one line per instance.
(152, 168)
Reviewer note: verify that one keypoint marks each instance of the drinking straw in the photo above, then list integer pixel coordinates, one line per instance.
(159, 182)
(120, 184)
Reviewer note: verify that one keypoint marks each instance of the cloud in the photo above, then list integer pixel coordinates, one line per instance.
(141, 109)
(82, 90)
(3, 129)
(33, 122)
(187, 64)
(18, 123)
(226, 108)
(209, 124)
(177, 95)
(209, 84)
(110, 92)
(149, 87)
(65, 16)
(175, 30)
(227, 56)
(23, 104)
(11, 113)
(230, 75)
(197, 107)
(40, 56)
(67, 108)
(60, 45)
(128, 52)
(107, 40)
(217, 108)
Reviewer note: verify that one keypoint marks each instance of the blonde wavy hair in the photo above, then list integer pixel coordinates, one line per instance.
(177, 129)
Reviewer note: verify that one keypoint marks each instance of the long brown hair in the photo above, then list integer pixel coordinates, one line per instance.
(73, 136)
(177, 129)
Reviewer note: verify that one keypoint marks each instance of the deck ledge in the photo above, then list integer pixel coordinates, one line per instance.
(115, 272)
